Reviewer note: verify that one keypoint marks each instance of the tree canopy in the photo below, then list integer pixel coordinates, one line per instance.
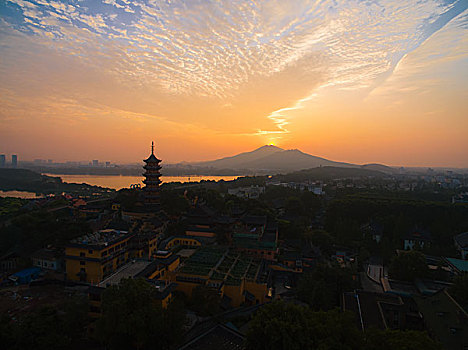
(132, 318)
(408, 265)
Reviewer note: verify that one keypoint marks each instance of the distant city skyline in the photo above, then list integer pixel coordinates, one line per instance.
(360, 82)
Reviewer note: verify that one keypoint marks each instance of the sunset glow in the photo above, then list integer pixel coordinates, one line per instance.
(354, 81)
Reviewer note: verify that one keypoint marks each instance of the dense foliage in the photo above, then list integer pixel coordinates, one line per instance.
(47, 328)
(289, 327)
(35, 230)
(408, 265)
(322, 288)
(132, 318)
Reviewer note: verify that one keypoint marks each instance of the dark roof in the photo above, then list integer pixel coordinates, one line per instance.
(44, 253)
(462, 239)
(418, 234)
(365, 306)
(152, 159)
(217, 338)
(254, 220)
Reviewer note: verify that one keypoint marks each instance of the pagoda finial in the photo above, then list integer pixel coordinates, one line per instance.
(152, 147)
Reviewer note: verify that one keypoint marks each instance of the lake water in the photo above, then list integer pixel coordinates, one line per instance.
(120, 181)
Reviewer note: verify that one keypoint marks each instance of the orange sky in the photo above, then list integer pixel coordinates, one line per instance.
(349, 81)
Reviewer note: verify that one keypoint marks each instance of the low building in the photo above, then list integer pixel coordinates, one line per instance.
(216, 337)
(239, 279)
(445, 320)
(47, 259)
(461, 243)
(9, 261)
(91, 258)
(416, 238)
(251, 192)
(458, 265)
(255, 237)
(382, 310)
(134, 269)
(183, 241)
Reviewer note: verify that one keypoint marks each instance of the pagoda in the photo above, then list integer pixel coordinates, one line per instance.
(151, 181)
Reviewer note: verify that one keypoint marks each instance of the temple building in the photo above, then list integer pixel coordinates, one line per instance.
(152, 181)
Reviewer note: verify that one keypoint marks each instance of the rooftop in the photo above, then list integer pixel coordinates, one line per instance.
(445, 318)
(103, 237)
(223, 265)
(460, 265)
(215, 338)
(462, 239)
(129, 270)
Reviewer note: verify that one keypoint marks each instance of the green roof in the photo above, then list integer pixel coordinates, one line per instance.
(461, 265)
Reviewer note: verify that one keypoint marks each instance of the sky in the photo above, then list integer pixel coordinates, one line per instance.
(355, 81)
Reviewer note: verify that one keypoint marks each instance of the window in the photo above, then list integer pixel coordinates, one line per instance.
(90, 251)
(82, 254)
(104, 253)
(82, 262)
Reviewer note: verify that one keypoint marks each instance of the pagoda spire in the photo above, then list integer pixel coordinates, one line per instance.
(152, 147)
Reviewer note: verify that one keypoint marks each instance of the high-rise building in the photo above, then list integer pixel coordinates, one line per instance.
(152, 181)
(14, 160)
(95, 162)
(2, 160)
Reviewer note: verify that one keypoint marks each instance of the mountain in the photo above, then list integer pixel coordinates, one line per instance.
(291, 160)
(272, 158)
(238, 161)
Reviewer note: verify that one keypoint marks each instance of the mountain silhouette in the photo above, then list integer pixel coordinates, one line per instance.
(272, 158)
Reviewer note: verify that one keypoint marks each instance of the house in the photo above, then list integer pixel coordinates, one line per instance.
(239, 279)
(217, 337)
(461, 243)
(416, 238)
(251, 192)
(93, 257)
(382, 310)
(9, 261)
(445, 319)
(373, 230)
(47, 259)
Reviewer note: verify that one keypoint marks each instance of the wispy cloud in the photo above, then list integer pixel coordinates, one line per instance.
(212, 50)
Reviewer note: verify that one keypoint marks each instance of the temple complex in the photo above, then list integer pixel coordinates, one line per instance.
(151, 181)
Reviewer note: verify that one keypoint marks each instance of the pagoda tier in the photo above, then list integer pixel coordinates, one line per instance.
(151, 181)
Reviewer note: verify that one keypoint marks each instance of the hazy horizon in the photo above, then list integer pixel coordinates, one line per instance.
(350, 81)
(167, 162)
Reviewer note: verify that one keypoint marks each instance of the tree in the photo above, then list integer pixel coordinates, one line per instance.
(376, 339)
(132, 318)
(287, 326)
(321, 239)
(205, 301)
(459, 290)
(408, 265)
(322, 288)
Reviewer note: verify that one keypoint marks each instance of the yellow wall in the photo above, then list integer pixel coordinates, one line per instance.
(183, 241)
(94, 269)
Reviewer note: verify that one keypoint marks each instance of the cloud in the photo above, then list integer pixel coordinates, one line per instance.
(226, 52)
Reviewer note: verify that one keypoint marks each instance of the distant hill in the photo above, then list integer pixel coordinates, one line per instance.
(27, 180)
(380, 167)
(327, 173)
(272, 158)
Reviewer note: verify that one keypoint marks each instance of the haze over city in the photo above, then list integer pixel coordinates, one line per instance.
(350, 81)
